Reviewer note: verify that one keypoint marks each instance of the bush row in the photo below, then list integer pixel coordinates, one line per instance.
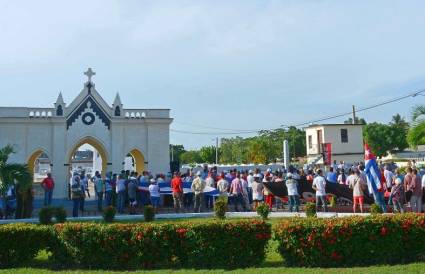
(226, 244)
(353, 241)
(19, 243)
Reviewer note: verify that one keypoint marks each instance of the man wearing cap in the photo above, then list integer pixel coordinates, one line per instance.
(198, 186)
(154, 194)
(294, 198)
(319, 184)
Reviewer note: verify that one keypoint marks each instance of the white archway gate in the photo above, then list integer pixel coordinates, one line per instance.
(88, 119)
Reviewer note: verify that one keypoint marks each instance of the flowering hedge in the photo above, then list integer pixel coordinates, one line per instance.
(117, 246)
(19, 243)
(352, 241)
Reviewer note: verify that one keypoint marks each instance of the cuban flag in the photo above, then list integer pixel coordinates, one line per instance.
(373, 174)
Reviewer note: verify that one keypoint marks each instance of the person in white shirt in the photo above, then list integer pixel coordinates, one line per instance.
(293, 196)
(342, 178)
(257, 191)
(388, 177)
(319, 184)
(154, 194)
(223, 187)
(245, 193)
(250, 180)
(209, 200)
(351, 178)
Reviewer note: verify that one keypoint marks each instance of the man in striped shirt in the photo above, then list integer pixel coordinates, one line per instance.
(237, 192)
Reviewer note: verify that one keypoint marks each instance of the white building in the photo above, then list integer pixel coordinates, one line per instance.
(346, 142)
(113, 131)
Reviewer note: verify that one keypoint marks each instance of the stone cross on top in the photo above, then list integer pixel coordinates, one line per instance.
(89, 73)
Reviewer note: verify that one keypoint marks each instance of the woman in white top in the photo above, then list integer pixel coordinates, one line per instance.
(342, 178)
(154, 193)
(257, 191)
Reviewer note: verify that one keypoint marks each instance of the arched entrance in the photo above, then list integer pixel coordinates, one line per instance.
(135, 161)
(99, 148)
(39, 164)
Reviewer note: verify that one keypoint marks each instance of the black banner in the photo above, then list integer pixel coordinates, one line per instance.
(341, 192)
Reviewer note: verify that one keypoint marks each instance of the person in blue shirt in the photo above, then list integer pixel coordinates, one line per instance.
(331, 177)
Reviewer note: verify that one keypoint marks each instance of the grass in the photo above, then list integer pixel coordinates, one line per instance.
(272, 264)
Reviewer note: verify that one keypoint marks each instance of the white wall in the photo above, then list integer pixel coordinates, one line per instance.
(350, 152)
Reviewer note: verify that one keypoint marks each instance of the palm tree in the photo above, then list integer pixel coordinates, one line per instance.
(416, 134)
(18, 174)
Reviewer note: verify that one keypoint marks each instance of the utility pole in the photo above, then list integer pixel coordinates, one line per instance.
(354, 115)
(172, 153)
(286, 156)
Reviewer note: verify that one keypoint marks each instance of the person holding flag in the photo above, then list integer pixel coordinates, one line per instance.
(373, 176)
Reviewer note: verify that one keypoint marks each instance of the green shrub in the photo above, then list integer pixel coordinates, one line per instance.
(375, 209)
(47, 213)
(20, 243)
(310, 209)
(60, 215)
(109, 214)
(222, 244)
(263, 210)
(354, 241)
(149, 213)
(220, 208)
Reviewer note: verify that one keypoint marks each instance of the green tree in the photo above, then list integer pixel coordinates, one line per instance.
(416, 133)
(399, 121)
(19, 175)
(176, 151)
(190, 157)
(264, 148)
(207, 154)
(359, 121)
(399, 131)
(383, 138)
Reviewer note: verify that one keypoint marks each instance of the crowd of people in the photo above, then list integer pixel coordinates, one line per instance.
(401, 189)
(244, 190)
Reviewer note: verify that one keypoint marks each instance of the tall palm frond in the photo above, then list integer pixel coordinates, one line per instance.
(5, 153)
(416, 134)
(13, 173)
(417, 112)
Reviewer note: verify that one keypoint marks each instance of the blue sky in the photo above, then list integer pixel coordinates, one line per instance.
(221, 64)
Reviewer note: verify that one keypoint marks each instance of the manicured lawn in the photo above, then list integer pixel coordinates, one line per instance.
(273, 264)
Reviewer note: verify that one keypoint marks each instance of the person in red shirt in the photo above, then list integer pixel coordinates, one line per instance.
(48, 185)
(177, 187)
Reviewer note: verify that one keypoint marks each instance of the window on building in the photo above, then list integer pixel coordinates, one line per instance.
(59, 111)
(344, 135)
(310, 141)
(117, 111)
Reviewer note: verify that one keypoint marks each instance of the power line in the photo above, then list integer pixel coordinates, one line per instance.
(414, 94)
(218, 128)
(213, 133)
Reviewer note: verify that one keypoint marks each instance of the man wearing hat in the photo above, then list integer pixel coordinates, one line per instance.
(198, 186)
(293, 196)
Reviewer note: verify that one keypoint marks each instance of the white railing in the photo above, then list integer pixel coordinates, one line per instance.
(40, 112)
(146, 113)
